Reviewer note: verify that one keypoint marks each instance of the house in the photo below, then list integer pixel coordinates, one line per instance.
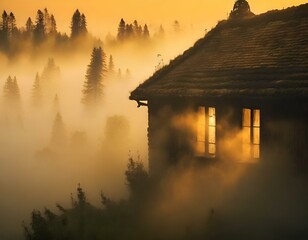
(240, 93)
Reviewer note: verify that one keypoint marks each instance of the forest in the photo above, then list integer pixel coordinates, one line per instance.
(65, 117)
(74, 150)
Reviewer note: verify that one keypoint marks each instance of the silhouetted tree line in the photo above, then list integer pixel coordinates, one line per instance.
(43, 28)
(132, 31)
(114, 220)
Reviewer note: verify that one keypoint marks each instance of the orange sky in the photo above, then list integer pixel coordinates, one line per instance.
(103, 16)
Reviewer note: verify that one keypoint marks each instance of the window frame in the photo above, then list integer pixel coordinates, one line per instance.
(205, 140)
(251, 131)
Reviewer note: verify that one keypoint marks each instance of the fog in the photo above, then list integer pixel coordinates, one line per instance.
(50, 141)
(230, 200)
(233, 198)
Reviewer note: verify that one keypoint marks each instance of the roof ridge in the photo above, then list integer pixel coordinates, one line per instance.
(287, 15)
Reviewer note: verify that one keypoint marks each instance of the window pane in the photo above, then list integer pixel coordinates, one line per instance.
(212, 117)
(246, 135)
(212, 131)
(246, 117)
(201, 124)
(256, 135)
(212, 137)
(212, 149)
(256, 118)
(251, 134)
(201, 131)
(206, 132)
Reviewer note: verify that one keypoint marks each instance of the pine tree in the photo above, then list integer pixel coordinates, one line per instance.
(83, 25)
(4, 24)
(121, 30)
(4, 43)
(129, 32)
(111, 66)
(137, 29)
(11, 92)
(93, 87)
(7, 89)
(39, 30)
(58, 135)
(12, 29)
(176, 26)
(37, 91)
(75, 24)
(146, 34)
(51, 70)
(78, 25)
(15, 89)
(50, 79)
(47, 22)
(161, 32)
(139, 32)
(135, 26)
(29, 25)
(53, 25)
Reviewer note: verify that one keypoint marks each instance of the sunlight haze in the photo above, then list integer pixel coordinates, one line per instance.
(104, 16)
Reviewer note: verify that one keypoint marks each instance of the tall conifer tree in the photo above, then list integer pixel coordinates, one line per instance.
(121, 30)
(93, 85)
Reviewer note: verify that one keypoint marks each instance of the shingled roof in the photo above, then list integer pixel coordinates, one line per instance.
(263, 56)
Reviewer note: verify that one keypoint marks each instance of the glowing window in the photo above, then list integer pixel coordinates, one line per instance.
(251, 134)
(206, 132)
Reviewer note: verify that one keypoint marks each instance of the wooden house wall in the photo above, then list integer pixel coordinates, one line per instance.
(284, 130)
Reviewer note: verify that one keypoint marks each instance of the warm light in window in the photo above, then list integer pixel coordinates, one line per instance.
(246, 117)
(256, 133)
(246, 133)
(251, 134)
(206, 132)
(212, 131)
(201, 131)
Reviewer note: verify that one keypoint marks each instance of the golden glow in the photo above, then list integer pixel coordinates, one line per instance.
(201, 131)
(256, 133)
(251, 134)
(246, 133)
(206, 132)
(103, 16)
(212, 131)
